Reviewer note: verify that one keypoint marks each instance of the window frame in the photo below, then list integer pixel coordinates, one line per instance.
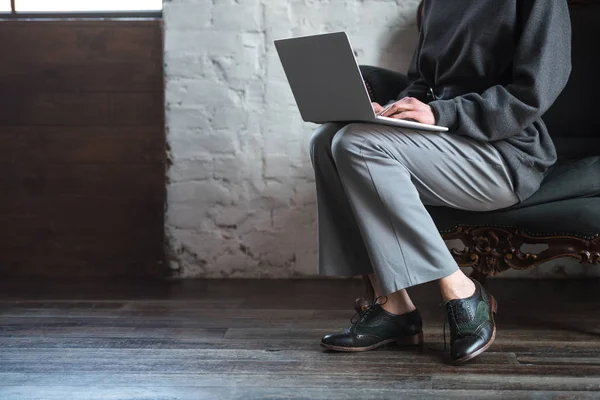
(13, 14)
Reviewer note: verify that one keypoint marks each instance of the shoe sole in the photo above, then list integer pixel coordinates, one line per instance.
(488, 344)
(415, 340)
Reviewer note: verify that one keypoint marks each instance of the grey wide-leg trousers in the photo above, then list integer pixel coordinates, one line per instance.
(373, 182)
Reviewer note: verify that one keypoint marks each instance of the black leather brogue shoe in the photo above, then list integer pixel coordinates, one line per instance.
(472, 326)
(375, 327)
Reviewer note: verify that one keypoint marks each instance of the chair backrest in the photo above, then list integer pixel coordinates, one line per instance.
(573, 119)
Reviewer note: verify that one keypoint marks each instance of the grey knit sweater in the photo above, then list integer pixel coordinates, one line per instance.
(495, 67)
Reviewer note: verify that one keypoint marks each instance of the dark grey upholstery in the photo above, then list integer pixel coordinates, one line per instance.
(568, 200)
(579, 217)
(570, 179)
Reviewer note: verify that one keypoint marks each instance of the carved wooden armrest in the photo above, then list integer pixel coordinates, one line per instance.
(493, 249)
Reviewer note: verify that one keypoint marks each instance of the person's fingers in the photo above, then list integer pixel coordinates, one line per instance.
(376, 106)
(404, 104)
(411, 109)
(398, 107)
(384, 109)
(416, 115)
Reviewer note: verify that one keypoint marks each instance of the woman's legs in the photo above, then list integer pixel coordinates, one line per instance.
(397, 303)
(341, 249)
(456, 286)
(341, 246)
(390, 173)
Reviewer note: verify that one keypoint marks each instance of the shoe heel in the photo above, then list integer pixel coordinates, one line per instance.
(414, 340)
(494, 305)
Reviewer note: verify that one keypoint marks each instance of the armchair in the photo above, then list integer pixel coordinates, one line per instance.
(564, 214)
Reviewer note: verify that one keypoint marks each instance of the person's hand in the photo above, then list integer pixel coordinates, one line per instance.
(376, 107)
(410, 108)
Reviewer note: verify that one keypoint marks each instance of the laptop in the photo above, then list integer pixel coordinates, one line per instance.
(327, 84)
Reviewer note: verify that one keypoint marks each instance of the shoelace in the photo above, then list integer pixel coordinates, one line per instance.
(449, 310)
(362, 315)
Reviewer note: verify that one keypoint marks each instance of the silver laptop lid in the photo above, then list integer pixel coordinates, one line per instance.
(325, 79)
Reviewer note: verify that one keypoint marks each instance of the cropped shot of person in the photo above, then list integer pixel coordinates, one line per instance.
(487, 70)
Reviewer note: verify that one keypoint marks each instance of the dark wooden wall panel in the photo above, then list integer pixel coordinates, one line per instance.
(82, 149)
(81, 41)
(67, 145)
(57, 77)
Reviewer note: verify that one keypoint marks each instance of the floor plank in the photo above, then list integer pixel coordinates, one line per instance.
(253, 393)
(235, 339)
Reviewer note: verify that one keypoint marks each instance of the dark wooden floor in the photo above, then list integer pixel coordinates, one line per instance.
(259, 339)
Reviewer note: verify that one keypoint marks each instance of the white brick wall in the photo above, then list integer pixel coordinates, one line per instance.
(241, 200)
